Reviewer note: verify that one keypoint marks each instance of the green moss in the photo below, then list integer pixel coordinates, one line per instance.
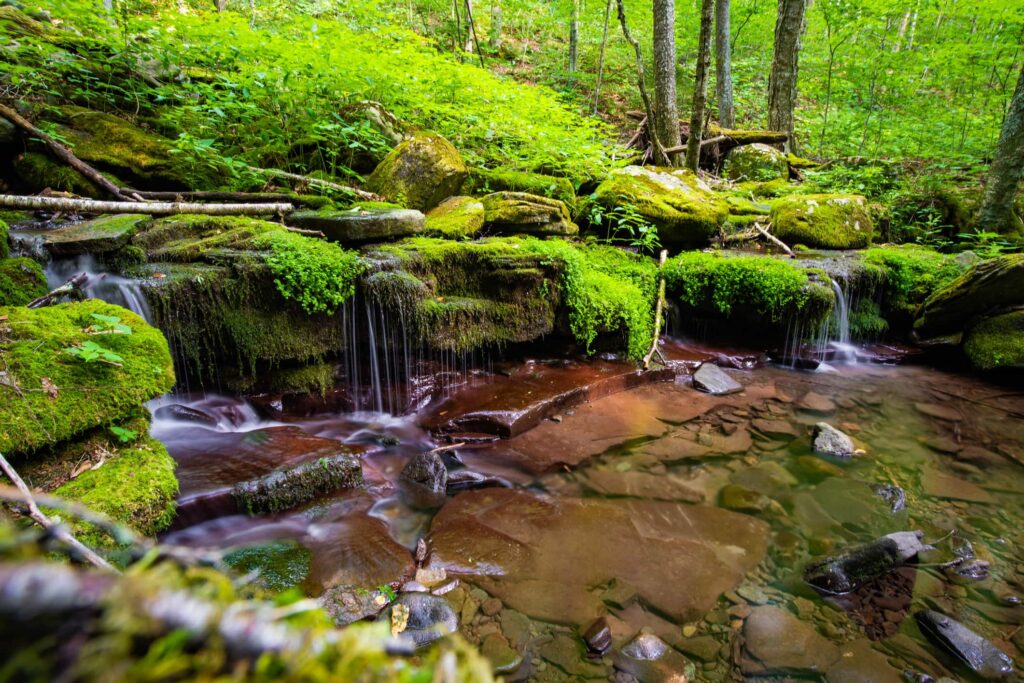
(318, 275)
(997, 342)
(756, 162)
(37, 171)
(5, 241)
(800, 162)
(754, 287)
(912, 273)
(485, 181)
(310, 379)
(779, 187)
(295, 484)
(188, 238)
(136, 486)
(419, 173)
(281, 564)
(682, 207)
(455, 218)
(866, 321)
(21, 281)
(84, 395)
(98, 236)
(823, 221)
(987, 286)
(519, 213)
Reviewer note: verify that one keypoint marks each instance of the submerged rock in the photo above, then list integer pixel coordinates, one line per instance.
(296, 484)
(856, 566)
(180, 413)
(893, 495)
(281, 564)
(978, 653)
(419, 173)
(516, 213)
(777, 643)
(361, 223)
(831, 442)
(711, 379)
(823, 221)
(758, 162)
(649, 659)
(430, 618)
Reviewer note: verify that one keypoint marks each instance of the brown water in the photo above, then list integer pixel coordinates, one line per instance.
(659, 508)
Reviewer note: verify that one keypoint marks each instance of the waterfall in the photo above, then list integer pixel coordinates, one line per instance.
(839, 340)
(102, 285)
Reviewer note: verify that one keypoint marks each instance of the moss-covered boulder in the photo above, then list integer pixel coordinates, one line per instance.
(59, 385)
(362, 223)
(21, 281)
(98, 236)
(680, 204)
(485, 181)
(757, 162)
(997, 342)
(455, 218)
(420, 172)
(519, 213)
(298, 483)
(908, 274)
(988, 286)
(823, 221)
(36, 172)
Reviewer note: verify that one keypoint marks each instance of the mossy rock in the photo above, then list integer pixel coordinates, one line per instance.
(485, 181)
(801, 163)
(756, 162)
(62, 395)
(823, 221)
(21, 281)
(519, 213)
(189, 238)
(677, 202)
(455, 218)
(5, 240)
(136, 486)
(910, 274)
(36, 172)
(281, 564)
(361, 224)
(98, 236)
(419, 173)
(295, 484)
(997, 342)
(990, 285)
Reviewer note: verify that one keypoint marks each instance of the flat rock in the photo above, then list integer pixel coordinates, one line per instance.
(360, 225)
(941, 485)
(777, 643)
(666, 487)
(940, 412)
(775, 429)
(814, 402)
(711, 379)
(98, 236)
(860, 663)
(356, 550)
(543, 556)
(515, 213)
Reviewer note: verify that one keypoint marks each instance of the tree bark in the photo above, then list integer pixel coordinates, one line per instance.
(723, 66)
(700, 84)
(659, 149)
(666, 108)
(600, 58)
(1004, 176)
(782, 82)
(574, 35)
(494, 39)
(9, 201)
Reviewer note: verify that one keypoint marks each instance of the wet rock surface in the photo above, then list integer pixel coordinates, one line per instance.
(649, 659)
(831, 442)
(976, 652)
(429, 618)
(360, 225)
(777, 643)
(711, 379)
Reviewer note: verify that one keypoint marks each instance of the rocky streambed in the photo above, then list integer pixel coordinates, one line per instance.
(633, 528)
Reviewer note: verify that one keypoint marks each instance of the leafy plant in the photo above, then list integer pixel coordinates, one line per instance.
(625, 225)
(985, 244)
(319, 275)
(91, 352)
(123, 435)
(107, 324)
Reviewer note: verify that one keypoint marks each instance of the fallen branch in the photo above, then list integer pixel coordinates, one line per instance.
(658, 309)
(10, 201)
(241, 197)
(306, 233)
(63, 153)
(773, 239)
(317, 182)
(73, 287)
(59, 532)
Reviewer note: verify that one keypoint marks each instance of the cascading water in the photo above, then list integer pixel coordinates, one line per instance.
(829, 343)
(113, 289)
(839, 331)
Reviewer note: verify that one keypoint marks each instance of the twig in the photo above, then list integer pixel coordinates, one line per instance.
(74, 285)
(448, 447)
(42, 520)
(773, 239)
(657, 310)
(307, 233)
(11, 201)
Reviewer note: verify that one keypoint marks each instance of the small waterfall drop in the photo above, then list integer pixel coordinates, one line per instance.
(114, 289)
(839, 331)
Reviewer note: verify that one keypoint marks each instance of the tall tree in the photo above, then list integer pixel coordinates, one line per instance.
(659, 149)
(1007, 169)
(785, 66)
(495, 38)
(700, 84)
(574, 35)
(723, 66)
(666, 109)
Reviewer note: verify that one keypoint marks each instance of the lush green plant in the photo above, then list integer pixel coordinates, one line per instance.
(986, 244)
(91, 352)
(625, 225)
(318, 275)
(107, 324)
(123, 435)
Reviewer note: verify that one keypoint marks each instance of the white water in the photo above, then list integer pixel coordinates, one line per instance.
(102, 285)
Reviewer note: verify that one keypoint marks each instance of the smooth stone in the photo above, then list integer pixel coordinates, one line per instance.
(775, 429)
(649, 659)
(711, 379)
(941, 485)
(816, 403)
(430, 618)
(427, 469)
(360, 225)
(975, 651)
(502, 657)
(777, 643)
(831, 442)
(180, 413)
(598, 636)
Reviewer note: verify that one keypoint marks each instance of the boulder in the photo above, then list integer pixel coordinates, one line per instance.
(293, 485)
(711, 379)
(777, 643)
(419, 173)
(997, 342)
(484, 181)
(427, 469)
(361, 224)
(757, 162)
(676, 201)
(823, 221)
(990, 285)
(976, 652)
(831, 442)
(455, 218)
(515, 213)
(98, 236)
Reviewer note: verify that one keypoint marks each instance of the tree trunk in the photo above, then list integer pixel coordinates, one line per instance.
(600, 59)
(723, 66)
(468, 47)
(666, 108)
(700, 84)
(1007, 169)
(659, 148)
(574, 35)
(10, 201)
(495, 38)
(785, 67)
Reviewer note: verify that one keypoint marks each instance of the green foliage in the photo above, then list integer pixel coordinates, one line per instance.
(623, 224)
(912, 274)
(107, 324)
(318, 275)
(91, 352)
(986, 244)
(997, 342)
(122, 434)
(5, 246)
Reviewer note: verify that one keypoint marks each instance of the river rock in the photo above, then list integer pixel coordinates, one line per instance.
(180, 413)
(348, 604)
(860, 663)
(649, 659)
(500, 654)
(293, 485)
(360, 224)
(757, 162)
(742, 499)
(427, 469)
(831, 442)
(994, 284)
(455, 218)
(711, 379)
(598, 637)
(98, 236)
(814, 402)
(419, 173)
(777, 643)
(976, 652)
(515, 213)
(430, 618)
(543, 556)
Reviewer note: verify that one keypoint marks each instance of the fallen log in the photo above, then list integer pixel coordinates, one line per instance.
(774, 240)
(317, 182)
(73, 287)
(240, 197)
(10, 201)
(64, 154)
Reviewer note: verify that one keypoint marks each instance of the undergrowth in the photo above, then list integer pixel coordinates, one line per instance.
(317, 275)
